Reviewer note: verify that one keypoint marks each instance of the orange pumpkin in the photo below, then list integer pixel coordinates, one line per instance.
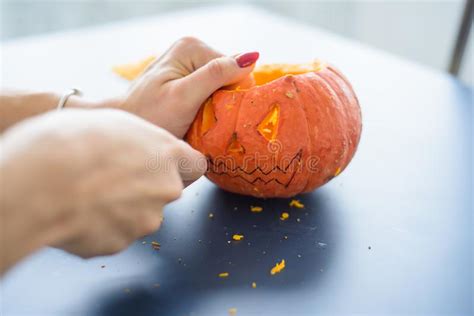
(291, 129)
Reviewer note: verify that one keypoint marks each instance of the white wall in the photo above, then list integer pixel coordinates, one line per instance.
(467, 68)
(422, 31)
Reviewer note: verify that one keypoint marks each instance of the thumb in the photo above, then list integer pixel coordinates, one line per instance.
(190, 162)
(217, 73)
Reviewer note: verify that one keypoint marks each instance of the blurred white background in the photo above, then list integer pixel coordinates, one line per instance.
(422, 31)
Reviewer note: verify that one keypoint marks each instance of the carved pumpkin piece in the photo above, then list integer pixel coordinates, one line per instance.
(268, 128)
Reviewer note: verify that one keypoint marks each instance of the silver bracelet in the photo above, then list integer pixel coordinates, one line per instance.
(66, 96)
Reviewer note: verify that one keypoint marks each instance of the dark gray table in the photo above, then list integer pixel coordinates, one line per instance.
(391, 235)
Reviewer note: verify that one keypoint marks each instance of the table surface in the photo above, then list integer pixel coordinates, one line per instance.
(392, 234)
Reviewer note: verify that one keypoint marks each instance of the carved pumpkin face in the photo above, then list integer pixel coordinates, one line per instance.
(292, 129)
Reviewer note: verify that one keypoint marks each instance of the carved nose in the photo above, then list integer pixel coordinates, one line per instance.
(234, 145)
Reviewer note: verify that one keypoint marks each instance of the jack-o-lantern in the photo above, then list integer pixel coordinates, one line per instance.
(290, 130)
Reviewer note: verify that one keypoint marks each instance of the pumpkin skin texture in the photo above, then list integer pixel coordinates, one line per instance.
(287, 130)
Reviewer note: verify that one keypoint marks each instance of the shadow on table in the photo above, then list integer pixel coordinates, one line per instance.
(188, 269)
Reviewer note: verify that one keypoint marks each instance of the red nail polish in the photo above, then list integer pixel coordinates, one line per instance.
(247, 59)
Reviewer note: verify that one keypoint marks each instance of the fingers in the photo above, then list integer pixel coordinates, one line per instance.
(192, 53)
(217, 73)
(191, 164)
(176, 159)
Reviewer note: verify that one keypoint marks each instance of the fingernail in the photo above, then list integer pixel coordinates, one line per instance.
(246, 59)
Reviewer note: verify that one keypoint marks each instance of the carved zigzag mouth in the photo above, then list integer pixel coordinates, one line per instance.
(236, 172)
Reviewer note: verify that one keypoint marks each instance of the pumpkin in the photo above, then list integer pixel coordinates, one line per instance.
(289, 129)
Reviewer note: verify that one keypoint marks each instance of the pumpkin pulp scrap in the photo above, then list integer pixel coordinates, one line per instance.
(133, 70)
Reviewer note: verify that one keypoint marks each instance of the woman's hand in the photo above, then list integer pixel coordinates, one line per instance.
(168, 94)
(171, 90)
(89, 182)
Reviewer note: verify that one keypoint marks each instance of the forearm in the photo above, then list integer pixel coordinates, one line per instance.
(20, 235)
(30, 216)
(25, 227)
(18, 105)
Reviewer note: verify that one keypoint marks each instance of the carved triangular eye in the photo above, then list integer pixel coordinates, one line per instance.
(235, 146)
(208, 117)
(268, 128)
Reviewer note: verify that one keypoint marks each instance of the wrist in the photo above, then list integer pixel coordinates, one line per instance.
(78, 102)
